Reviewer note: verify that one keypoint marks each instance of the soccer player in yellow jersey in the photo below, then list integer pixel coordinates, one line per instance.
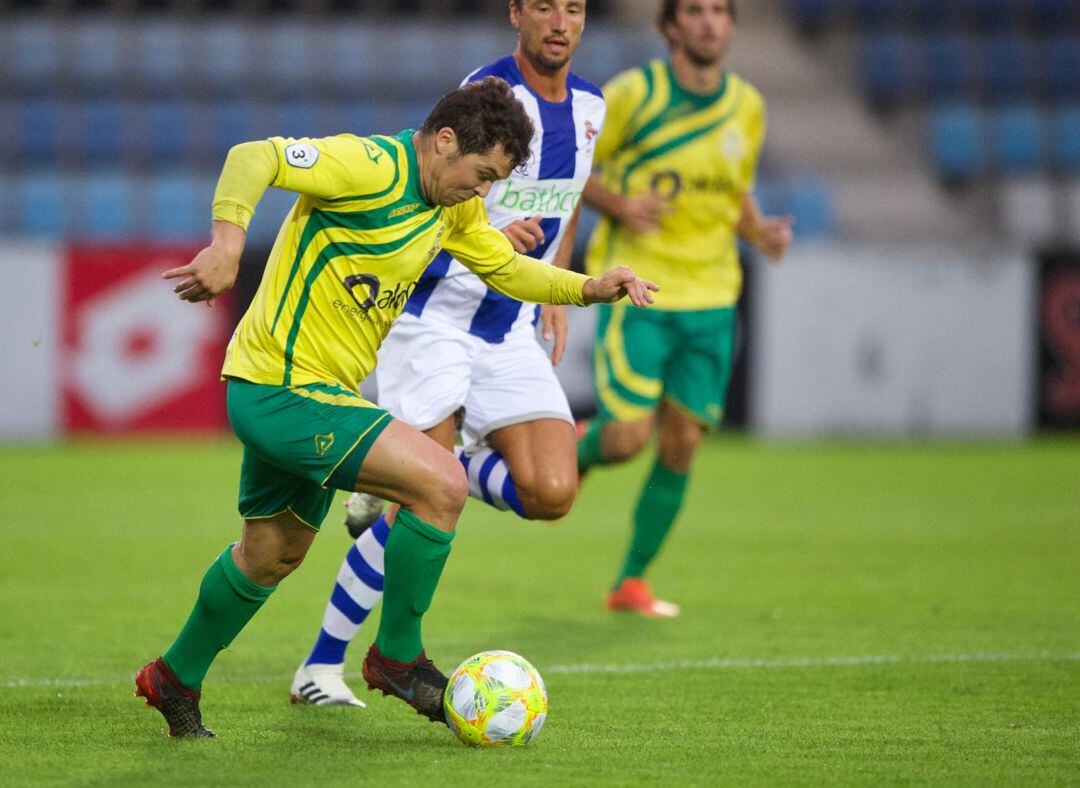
(677, 157)
(371, 214)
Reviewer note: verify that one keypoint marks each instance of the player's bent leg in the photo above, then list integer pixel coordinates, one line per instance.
(406, 466)
(541, 460)
(607, 442)
(233, 589)
(320, 679)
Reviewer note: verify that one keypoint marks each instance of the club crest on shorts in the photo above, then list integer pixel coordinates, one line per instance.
(323, 444)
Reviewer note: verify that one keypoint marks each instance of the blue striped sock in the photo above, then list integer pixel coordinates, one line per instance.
(490, 480)
(357, 590)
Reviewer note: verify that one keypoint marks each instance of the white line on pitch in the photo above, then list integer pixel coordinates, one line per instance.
(713, 663)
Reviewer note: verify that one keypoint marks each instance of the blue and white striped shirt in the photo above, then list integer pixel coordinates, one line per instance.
(549, 184)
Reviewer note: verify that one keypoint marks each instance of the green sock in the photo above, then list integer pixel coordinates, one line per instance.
(589, 452)
(660, 501)
(227, 601)
(415, 555)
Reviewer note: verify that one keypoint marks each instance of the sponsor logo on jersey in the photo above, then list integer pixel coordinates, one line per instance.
(403, 210)
(731, 146)
(374, 296)
(555, 197)
(669, 184)
(301, 155)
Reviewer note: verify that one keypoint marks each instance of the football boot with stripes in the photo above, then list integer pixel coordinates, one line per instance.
(361, 510)
(323, 685)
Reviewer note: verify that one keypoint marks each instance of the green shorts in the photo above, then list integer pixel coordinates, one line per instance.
(300, 444)
(641, 355)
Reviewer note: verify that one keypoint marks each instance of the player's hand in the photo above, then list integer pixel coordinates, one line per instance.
(211, 273)
(619, 283)
(642, 213)
(553, 328)
(524, 234)
(773, 236)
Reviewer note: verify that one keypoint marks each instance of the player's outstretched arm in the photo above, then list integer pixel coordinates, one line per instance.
(770, 235)
(214, 269)
(619, 283)
(641, 213)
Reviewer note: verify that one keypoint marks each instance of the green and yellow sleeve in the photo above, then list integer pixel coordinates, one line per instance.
(325, 168)
(623, 95)
(488, 253)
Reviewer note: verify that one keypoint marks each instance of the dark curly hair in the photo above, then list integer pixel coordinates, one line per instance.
(668, 9)
(483, 114)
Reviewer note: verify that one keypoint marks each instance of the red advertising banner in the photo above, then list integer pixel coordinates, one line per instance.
(134, 357)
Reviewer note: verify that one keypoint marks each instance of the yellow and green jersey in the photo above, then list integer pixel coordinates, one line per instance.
(349, 253)
(698, 152)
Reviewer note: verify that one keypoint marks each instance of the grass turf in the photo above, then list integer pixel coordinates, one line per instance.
(796, 566)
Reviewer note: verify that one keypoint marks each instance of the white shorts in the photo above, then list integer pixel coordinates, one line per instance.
(427, 370)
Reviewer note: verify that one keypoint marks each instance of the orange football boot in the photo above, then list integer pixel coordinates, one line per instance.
(635, 596)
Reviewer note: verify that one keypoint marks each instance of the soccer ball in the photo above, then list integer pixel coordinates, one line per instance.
(495, 699)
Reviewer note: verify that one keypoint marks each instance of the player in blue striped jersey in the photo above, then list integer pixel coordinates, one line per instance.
(460, 345)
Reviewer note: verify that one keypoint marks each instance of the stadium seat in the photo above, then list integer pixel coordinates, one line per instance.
(813, 16)
(233, 122)
(886, 69)
(285, 65)
(1018, 138)
(103, 206)
(159, 58)
(40, 130)
(357, 117)
(179, 206)
(1066, 139)
(96, 52)
(42, 207)
(957, 142)
(33, 60)
(873, 15)
(1062, 67)
(812, 207)
(947, 66)
(932, 16)
(165, 131)
(994, 16)
(225, 60)
(1053, 16)
(1008, 66)
(101, 131)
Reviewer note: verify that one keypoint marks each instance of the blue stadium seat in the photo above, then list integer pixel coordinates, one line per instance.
(101, 131)
(357, 117)
(886, 68)
(874, 14)
(165, 131)
(812, 207)
(957, 142)
(1008, 66)
(1067, 139)
(994, 16)
(42, 205)
(96, 52)
(1053, 16)
(948, 66)
(298, 118)
(1063, 67)
(932, 15)
(1019, 138)
(179, 206)
(226, 57)
(35, 52)
(104, 206)
(285, 65)
(813, 16)
(233, 122)
(40, 130)
(159, 58)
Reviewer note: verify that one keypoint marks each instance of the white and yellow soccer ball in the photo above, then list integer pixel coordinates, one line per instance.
(495, 699)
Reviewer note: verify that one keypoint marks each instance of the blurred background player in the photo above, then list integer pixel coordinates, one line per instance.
(461, 345)
(678, 156)
(372, 214)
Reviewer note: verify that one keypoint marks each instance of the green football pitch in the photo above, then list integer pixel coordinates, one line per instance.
(852, 613)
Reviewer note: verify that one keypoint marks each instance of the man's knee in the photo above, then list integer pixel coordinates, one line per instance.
(625, 440)
(547, 497)
(445, 488)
